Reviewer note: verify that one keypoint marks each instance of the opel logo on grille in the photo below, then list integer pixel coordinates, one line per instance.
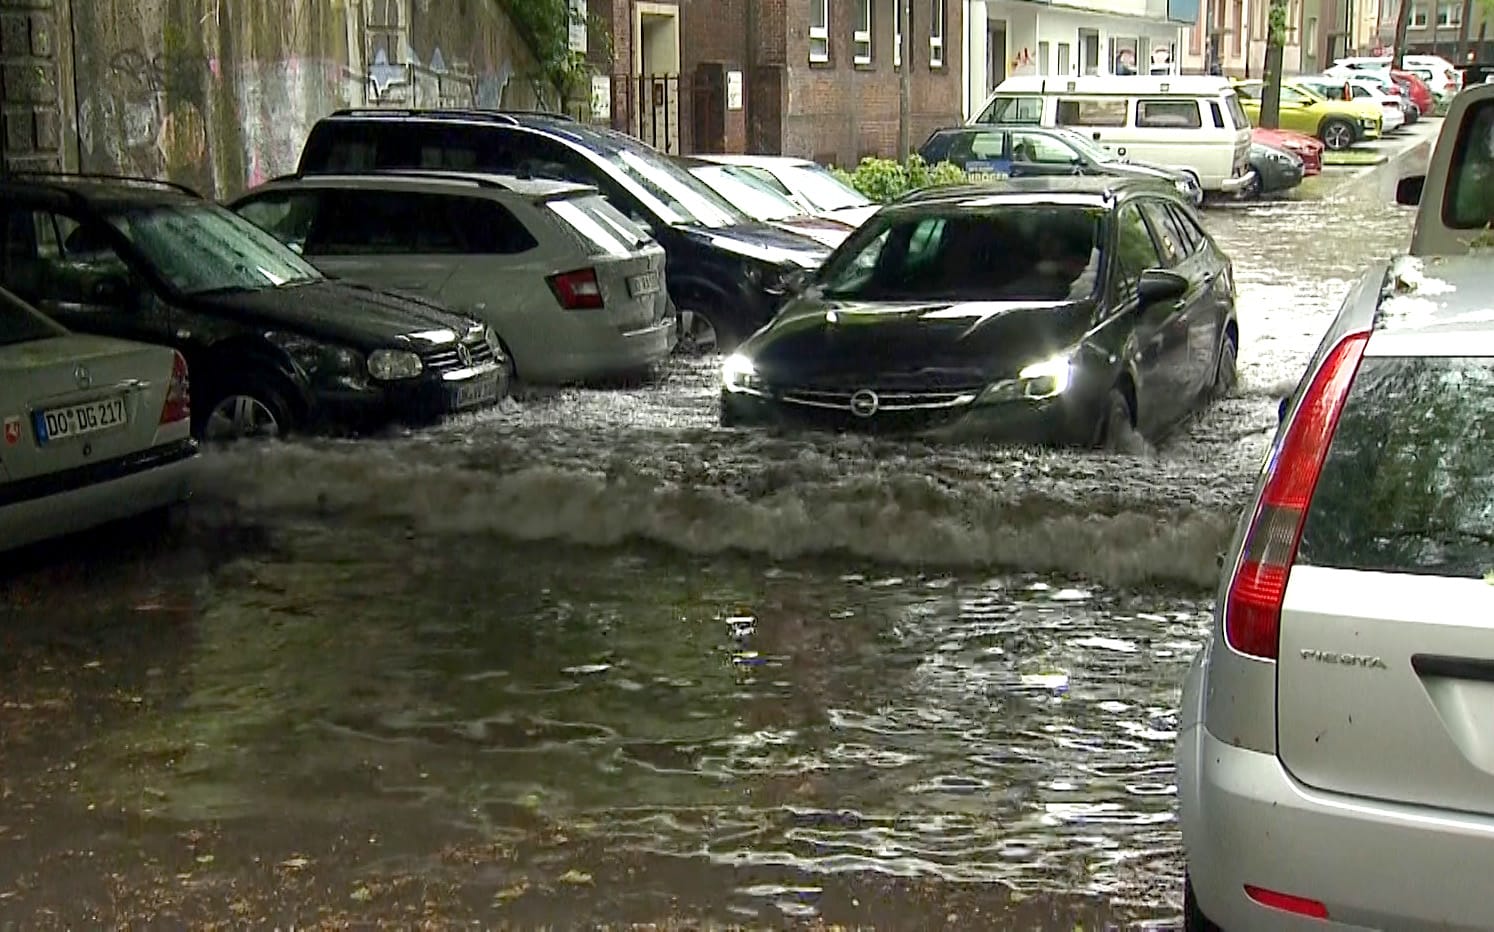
(83, 377)
(464, 354)
(865, 403)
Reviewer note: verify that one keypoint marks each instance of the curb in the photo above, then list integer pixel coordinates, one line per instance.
(1378, 181)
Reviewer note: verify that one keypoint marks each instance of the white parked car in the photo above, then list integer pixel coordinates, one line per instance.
(1334, 762)
(573, 288)
(1376, 87)
(763, 202)
(812, 186)
(1441, 75)
(94, 429)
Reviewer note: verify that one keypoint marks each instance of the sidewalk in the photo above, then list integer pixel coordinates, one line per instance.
(1405, 152)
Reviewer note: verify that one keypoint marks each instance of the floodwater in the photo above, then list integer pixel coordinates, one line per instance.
(590, 659)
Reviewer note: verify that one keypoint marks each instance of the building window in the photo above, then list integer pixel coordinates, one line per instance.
(1312, 35)
(897, 33)
(1043, 58)
(861, 39)
(819, 30)
(1418, 17)
(1449, 14)
(936, 35)
(1294, 17)
(1064, 66)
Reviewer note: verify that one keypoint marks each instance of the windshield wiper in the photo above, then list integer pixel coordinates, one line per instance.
(222, 290)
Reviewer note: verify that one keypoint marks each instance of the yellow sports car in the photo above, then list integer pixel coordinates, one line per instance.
(1339, 123)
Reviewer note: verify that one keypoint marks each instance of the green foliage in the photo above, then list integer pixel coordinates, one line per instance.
(885, 180)
(545, 26)
(1276, 24)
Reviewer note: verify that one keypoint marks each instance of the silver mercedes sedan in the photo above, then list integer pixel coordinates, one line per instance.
(94, 429)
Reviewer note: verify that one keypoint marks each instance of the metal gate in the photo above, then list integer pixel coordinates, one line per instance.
(653, 102)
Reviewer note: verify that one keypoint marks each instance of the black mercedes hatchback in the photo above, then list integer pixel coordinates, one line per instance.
(274, 346)
(1067, 311)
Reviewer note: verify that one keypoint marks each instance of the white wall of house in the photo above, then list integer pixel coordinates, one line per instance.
(1008, 37)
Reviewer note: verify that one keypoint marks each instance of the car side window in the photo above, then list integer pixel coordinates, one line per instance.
(1468, 203)
(54, 258)
(285, 215)
(1216, 113)
(488, 228)
(1168, 114)
(987, 145)
(1191, 230)
(1135, 252)
(1173, 243)
(1041, 149)
(364, 223)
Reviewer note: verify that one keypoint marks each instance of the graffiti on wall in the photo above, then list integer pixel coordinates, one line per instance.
(154, 109)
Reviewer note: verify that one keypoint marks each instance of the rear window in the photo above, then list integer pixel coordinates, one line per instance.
(601, 228)
(1469, 202)
(1408, 485)
(20, 324)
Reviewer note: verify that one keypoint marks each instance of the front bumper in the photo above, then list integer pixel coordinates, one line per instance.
(78, 499)
(1059, 421)
(1238, 183)
(425, 399)
(1245, 820)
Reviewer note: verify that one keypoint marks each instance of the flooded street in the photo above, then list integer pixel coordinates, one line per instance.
(591, 659)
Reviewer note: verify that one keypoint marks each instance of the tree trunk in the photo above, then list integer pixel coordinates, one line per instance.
(1271, 93)
(1402, 20)
(905, 87)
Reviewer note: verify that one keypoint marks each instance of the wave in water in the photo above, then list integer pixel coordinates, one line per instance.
(906, 519)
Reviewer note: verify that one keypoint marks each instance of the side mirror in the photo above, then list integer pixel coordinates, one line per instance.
(1158, 285)
(1281, 409)
(113, 291)
(1408, 190)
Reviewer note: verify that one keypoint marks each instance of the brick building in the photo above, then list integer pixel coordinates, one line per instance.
(811, 78)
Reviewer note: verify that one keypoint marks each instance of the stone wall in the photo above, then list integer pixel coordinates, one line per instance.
(220, 94)
(36, 86)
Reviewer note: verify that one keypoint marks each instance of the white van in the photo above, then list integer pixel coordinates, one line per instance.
(1192, 123)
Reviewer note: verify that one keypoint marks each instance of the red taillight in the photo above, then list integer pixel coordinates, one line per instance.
(578, 290)
(1287, 903)
(178, 406)
(1252, 619)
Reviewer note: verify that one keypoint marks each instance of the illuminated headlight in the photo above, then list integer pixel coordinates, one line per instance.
(321, 361)
(388, 365)
(1041, 380)
(738, 374)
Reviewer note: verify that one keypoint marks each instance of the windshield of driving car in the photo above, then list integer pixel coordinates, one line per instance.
(21, 324)
(820, 188)
(678, 197)
(1015, 252)
(746, 195)
(201, 248)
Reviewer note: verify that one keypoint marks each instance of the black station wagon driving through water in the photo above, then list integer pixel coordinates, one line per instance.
(1063, 311)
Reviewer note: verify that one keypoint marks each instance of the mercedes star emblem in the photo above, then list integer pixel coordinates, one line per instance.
(82, 377)
(865, 403)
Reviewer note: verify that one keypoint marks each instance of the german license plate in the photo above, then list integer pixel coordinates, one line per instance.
(647, 283)
(475, 393)
(77, 420)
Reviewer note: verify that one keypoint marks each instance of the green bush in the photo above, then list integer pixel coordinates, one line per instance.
(884, 180)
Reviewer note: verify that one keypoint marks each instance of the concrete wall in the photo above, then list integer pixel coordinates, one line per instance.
(221, 93)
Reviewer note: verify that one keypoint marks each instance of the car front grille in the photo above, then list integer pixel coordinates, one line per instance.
(449, 359)
(890, 400)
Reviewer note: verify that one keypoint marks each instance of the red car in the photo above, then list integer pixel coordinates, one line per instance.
(1421, 94)
(1307, 148)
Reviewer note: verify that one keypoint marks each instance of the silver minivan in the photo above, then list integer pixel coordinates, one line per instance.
(573, 287)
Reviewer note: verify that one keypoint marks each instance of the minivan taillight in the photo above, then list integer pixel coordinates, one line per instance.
(1252, 619)
(178, 406)
(578, 290)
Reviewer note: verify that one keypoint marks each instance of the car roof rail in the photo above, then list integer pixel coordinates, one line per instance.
(99, 176)
(509, 117)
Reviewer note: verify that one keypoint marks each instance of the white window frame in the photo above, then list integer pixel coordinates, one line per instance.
(1454, 15)
(1420, 9)
(936, 34)
(897, 33)
(819, 36)
(861, 39)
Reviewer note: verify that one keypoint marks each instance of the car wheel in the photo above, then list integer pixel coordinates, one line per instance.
(1193, 918)
(249, 411)
(1337, 135)
(1227, 374)
(704, 333)
(1119, 426)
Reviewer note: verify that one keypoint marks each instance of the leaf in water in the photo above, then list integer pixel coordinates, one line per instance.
(295, 863)
(575, 877)
(512, 892)
(362, 894)
(588, 669)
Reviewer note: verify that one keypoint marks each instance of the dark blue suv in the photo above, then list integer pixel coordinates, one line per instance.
(727, 274)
